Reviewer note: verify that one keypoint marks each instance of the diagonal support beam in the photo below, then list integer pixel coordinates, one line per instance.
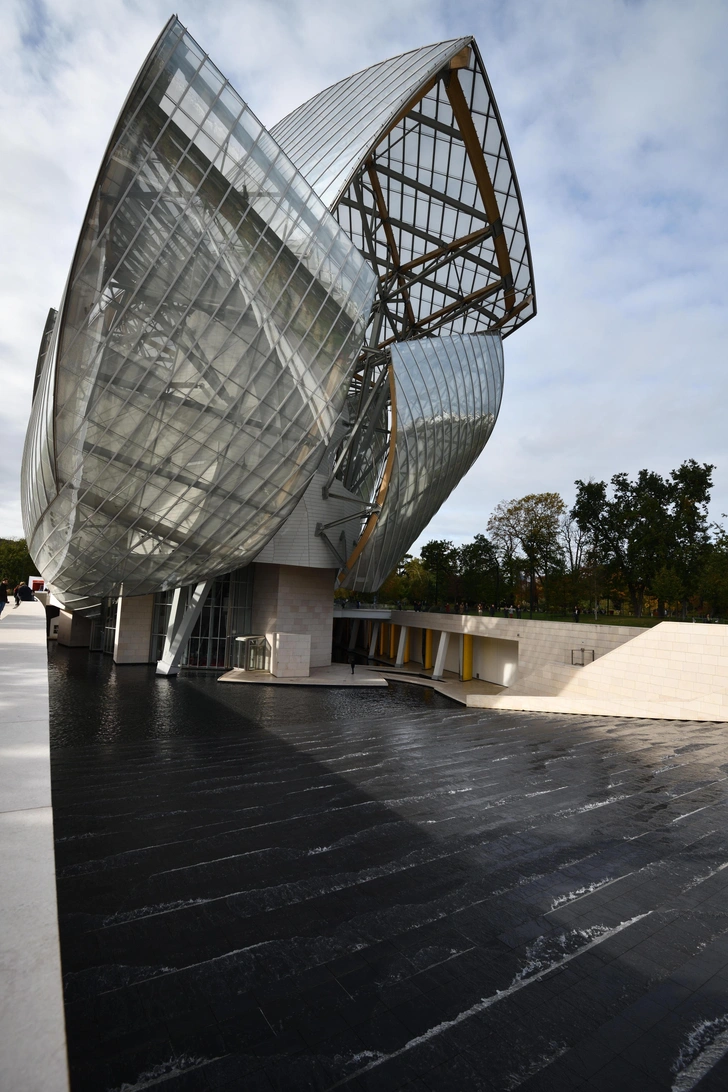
(182, 619)
(485, 183)
(389, 235)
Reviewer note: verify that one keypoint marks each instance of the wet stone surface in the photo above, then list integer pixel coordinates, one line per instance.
(267, 889)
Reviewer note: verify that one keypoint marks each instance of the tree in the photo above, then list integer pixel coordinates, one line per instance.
(648, 524)
(667, 587)
(691, 485)
(713, 578)
(440, 557)
(530, 524)
(479, 570)
(417, 579)
(16, 564)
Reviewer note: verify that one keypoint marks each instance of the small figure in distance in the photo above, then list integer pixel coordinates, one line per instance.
(23, 594)
(352, 661)
(3, 594)
(577, 612)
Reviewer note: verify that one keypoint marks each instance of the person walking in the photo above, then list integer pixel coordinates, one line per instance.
(23, 594)
(3, 594)
(352, 661)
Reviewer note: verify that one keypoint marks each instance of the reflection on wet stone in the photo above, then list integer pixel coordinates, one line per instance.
(380, 889)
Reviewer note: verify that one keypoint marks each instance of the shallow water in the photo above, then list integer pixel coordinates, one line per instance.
(282, 888)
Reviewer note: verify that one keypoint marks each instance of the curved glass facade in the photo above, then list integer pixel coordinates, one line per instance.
(206, 343)
(328, 137)
(448, 394)
(252, 314)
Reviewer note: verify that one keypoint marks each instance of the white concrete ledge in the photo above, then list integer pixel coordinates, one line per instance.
(32, 1027)
(334, 675)
(594, 707)
(671, 672)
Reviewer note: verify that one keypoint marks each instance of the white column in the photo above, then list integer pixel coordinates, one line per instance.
(439, 668)
(375, 638)
(182, 619)
(354, 635)
(399, 662)
(133, 629)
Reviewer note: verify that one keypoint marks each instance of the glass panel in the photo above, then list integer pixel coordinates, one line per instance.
(209, 332)
(448, 397)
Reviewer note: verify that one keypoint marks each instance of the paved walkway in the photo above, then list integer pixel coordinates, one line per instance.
(334, 675)
(449, 685)
(32, 1030)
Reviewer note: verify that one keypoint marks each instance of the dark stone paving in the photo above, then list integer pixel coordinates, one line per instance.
(277, 890)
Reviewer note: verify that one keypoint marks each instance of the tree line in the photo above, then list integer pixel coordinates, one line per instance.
(16, 563)
(638, 546)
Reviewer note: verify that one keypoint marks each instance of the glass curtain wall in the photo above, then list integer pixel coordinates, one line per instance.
(204, 349)
(226, 614)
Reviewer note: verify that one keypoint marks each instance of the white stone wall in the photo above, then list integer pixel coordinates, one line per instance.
(540, 645)
(290, 655)
(133, 629)
(676, 670)
(74, 631)
(294, 599)
(495, 660)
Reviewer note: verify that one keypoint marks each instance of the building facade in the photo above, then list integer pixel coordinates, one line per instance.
(277, 352)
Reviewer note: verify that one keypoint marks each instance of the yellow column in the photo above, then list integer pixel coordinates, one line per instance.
(393, 641)
(406, 646)
(429, 662)
(382, 634)
(467, 657)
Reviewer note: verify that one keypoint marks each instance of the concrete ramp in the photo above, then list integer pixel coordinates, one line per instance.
(675, 671)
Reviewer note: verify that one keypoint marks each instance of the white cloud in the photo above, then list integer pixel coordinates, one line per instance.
(616, 118)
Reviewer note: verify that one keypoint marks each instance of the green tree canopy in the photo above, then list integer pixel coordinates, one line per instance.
(650, 525)
(441, 558)
(16, 564)
(530, 525)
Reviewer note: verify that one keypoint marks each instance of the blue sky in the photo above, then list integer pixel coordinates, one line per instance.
(616, 115)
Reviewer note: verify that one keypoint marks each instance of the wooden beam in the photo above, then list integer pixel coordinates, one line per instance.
(389, 235)
(487, 290)
(463, 241)
(439, 195)
(461, 59)
(513, 311)
(485, 183)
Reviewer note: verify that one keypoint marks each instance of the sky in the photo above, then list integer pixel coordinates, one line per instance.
(616, 117)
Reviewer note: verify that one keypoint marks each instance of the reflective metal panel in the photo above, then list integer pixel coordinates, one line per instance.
(206, 343)
(329, 136)
(448, 394)
(412, 156)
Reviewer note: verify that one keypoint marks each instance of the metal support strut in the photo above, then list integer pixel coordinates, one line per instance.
(182, 619)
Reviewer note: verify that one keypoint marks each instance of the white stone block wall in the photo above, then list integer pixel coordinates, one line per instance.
(74, 630)
(133, 629)
(290, 654)
(539, 644)
(294, 599)
(676, 670)
(494, 660)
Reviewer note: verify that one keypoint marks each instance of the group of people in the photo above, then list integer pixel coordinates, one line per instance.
(21, 592)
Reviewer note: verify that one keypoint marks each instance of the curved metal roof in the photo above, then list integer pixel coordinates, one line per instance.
(412, 157)
(328, 136)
